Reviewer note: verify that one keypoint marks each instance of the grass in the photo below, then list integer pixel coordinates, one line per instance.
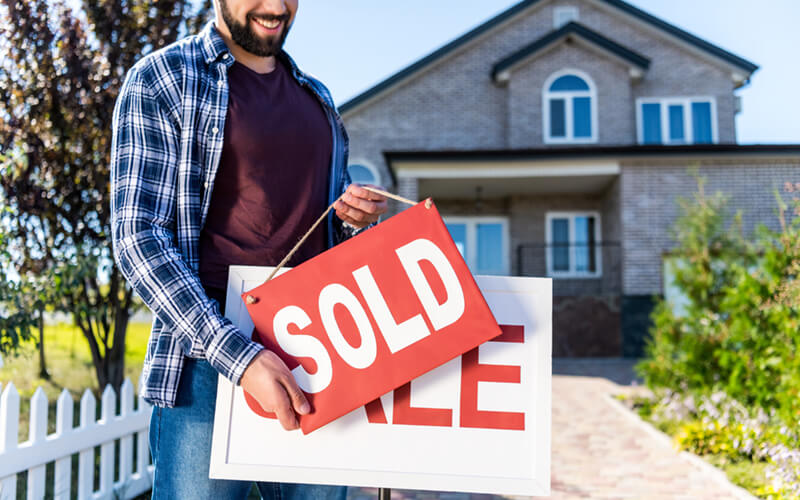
(69, 363)
(749, 475)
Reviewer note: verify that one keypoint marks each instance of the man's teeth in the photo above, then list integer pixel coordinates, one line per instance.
(268, 24)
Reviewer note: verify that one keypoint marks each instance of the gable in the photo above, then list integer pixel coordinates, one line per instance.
(739, 68)
(572, 31)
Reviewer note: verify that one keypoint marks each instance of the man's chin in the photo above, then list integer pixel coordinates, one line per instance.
(267, 44)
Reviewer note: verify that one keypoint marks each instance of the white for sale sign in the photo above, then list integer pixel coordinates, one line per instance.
(479, 423)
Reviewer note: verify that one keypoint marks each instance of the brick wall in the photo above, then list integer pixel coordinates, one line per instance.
(615, 104)
(649, 191)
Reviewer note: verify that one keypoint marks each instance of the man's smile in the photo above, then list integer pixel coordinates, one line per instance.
(270, 26)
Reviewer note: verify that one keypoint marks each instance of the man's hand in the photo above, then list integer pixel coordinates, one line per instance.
(359, 207)
(271, 383)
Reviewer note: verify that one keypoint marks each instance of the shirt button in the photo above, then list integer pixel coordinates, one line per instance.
(214, 130)
(220, 83)
(224, 56)
(205, 184)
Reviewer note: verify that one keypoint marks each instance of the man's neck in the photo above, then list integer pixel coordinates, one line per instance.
(252, 61)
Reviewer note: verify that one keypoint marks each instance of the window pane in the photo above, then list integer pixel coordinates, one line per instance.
(558, 126)
(459, 234)
(560, 244)
(361, 174)
(582, 115)
(568, 82)
(651, 123)
(490, 249)
(585, 245)
(676, 123)
(701, 122)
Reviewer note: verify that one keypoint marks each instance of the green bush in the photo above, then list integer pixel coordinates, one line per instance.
(739, 328)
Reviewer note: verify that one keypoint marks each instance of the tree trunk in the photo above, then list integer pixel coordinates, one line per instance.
(117, 352)
(42, 363)
(108, 360)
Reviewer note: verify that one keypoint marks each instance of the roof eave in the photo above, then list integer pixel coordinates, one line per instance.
(631, 151)
(501, 70)
(435, 55)
(718, 52)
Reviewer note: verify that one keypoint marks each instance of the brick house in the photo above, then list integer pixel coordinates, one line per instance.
(555, 139)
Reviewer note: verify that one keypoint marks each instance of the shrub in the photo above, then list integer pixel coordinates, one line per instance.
(739, 329)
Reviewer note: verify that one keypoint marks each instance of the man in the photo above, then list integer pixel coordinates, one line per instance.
(223, 153)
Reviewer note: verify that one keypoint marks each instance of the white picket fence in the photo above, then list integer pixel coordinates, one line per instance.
(40, 449)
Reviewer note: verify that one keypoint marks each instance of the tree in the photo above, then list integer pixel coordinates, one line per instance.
(15, 321)
(23, 302)
(60, 74)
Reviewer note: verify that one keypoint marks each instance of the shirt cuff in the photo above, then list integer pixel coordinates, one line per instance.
(230, 353)
(353, 230)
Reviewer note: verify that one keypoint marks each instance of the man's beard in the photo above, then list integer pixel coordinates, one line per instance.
(244, 36)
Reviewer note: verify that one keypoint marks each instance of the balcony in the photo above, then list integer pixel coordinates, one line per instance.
(576, 269)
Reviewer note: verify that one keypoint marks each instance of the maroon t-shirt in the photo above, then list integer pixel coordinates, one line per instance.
(272, 181)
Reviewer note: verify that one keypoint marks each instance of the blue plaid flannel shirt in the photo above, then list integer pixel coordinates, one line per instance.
(167, 140)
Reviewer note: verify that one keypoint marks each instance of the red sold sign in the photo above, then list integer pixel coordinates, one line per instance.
(371, 314)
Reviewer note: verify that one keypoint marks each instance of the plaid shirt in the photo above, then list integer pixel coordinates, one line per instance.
(167, 140)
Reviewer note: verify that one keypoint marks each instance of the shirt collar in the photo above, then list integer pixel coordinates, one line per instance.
(214, 47)
(213, 44)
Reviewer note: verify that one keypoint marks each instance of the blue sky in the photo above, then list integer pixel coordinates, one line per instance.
(353, 44)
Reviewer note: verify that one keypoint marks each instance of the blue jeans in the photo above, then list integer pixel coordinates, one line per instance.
(180, 443)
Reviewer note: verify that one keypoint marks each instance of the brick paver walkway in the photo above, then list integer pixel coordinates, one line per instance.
(597, 450)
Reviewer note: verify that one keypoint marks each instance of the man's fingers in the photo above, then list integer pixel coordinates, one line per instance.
(360, 207)
(350, 214)
(361, 191)
(348, 220)
(363, 204)
(283, 409)
(298, 397)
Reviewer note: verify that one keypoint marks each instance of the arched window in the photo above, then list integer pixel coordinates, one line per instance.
(363, 174)
(570, 108)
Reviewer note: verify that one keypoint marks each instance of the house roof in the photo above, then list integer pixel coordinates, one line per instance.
(571, 152)
(571, 29)
(443, 51)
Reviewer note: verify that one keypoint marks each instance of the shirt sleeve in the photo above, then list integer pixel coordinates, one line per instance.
(144, 179)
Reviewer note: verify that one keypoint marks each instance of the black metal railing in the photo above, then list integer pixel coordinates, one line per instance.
(578, 268)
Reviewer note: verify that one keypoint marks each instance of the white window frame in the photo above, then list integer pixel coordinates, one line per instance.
(569, 12)
(471, 223)
(568, 97)
(369, 166)
(573, 273)
(688, 129)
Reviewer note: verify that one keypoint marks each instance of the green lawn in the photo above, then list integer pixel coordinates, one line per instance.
(69, 364)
